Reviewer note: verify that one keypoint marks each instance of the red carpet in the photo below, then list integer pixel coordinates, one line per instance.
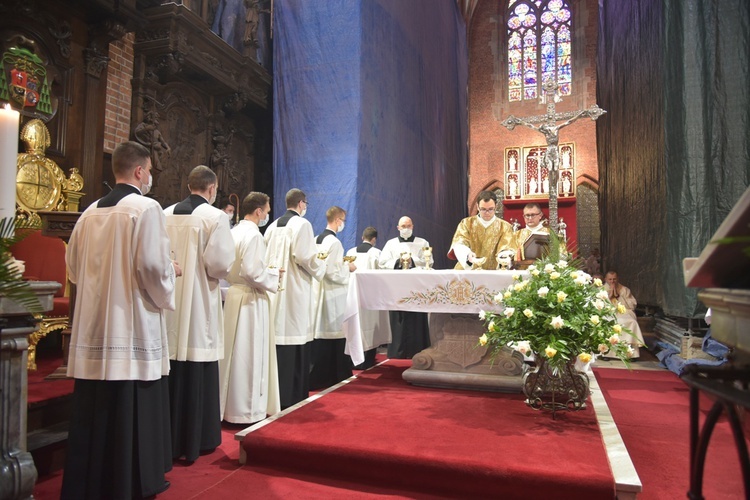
(41, 389)
(379, 430)
(651, 410)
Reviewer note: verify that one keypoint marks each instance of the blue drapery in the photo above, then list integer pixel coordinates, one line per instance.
(370, 114)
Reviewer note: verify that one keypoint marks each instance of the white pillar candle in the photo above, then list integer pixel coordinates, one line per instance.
(9, 120)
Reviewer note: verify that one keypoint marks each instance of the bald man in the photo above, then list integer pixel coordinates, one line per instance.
(410, 330)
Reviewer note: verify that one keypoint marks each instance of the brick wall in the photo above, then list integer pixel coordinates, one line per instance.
(119, 93)
(488, 104)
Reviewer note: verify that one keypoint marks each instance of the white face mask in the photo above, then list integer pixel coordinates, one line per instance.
(145, 188)
(341, 227)
(304, 211)
(264, 220)
(405, 233)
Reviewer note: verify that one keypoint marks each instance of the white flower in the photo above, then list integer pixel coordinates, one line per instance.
(528, 313)
(574, 275)
(531, 268)
(602, 294)
(554, 275)
(482, 315)
(603, 348)
(599, 304)
(549, 268)
(483, 339)
(617, 328)
(498, 299)
(580, 280)
(535, 272)
(597, 282)
(557, 323)
(523, 346)
(516, 277)
(630, 352)
(594, 319)
(621, 309)
(542, 292)
(614, 339)
(561, 264)
(507, 295)
(508, 311)
(561, 296)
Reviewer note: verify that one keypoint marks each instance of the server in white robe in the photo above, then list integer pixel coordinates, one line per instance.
(410, 330)
(291, 246)
(620, 294)
(200, 238)
(118, 256)
(248, 373)
(375, 326)
(329, 364)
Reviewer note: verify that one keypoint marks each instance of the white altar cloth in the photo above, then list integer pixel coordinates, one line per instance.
(419, 290)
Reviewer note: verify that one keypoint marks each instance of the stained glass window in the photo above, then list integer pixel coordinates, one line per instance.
(538, 47)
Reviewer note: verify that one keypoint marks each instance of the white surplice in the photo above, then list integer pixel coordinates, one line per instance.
(293, 248)
(248, 374)
(395, 247)
(330, 292)
(374, 325)
(203, 246)
(118, 331)
(628, 319)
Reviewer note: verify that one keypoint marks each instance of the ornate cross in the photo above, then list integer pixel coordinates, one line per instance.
(551, 129)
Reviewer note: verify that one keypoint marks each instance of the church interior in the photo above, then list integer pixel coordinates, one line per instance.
(392, 108)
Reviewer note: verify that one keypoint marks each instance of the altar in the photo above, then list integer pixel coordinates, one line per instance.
(454, 299)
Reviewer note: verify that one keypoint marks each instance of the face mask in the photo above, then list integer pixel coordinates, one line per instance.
(341, 227)
(405, 233)
(304, 211)
(263, 221)
(145, 188)
(212, 200)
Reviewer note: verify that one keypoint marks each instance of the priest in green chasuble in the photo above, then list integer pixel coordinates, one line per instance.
(478, 239)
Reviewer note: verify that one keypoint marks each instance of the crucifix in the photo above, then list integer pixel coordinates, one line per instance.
(550, 128)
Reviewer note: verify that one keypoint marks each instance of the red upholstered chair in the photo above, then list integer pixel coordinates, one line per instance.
(44, 259)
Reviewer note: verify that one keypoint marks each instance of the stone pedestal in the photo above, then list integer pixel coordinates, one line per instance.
(17, 471)
(457, 361)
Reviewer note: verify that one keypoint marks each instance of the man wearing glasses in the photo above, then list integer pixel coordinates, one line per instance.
(480, 238)
(533, 217)
(329, 365)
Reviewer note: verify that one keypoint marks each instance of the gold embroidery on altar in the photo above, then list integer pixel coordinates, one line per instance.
(458, 292)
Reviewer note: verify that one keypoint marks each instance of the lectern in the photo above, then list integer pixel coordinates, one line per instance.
(723, 269)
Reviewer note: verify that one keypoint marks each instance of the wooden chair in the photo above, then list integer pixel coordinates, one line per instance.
(44, 259)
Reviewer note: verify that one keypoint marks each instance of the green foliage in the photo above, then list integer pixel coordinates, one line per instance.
(12, 285)
(557, 311)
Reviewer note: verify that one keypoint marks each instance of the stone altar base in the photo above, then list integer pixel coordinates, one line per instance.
(457, 361)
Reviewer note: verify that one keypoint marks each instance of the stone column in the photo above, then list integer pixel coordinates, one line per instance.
(17, 471)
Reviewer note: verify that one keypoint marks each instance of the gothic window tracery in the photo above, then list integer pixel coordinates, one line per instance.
(539, 47)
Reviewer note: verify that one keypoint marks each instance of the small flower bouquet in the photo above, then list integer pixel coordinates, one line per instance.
(557, 312)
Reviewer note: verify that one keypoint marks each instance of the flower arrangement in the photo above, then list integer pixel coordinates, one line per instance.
(557, 312)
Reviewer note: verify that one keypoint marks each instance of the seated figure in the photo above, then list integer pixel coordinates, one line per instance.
(620, 294)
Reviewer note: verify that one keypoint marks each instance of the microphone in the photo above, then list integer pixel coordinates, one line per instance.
(107, 184)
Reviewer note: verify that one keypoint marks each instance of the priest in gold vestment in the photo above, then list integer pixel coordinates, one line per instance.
(478, 239)
(533, 217)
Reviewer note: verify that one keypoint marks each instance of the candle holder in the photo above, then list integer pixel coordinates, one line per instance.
(427, 255)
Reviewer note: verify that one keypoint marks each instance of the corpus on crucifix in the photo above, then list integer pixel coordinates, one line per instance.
(547, 125)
